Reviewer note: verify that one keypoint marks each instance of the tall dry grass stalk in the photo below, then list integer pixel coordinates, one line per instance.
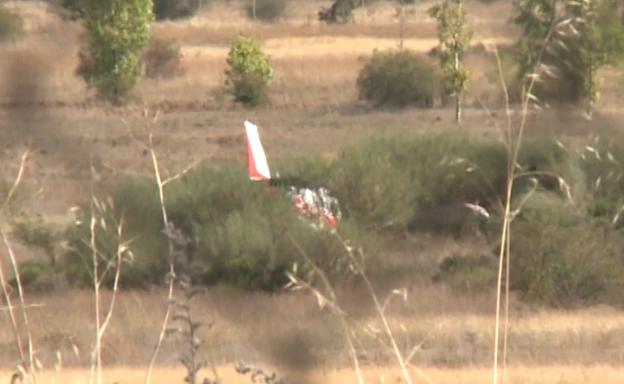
(513, 139)
(27, 366)
(329, 299)
(167, 229)
(99, 276)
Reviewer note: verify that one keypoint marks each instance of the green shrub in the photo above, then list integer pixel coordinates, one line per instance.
(601, 163)
(162, 59)
(341, 11)
(243, 231)
(562, 258)
(398, 78)
(391, 181)
(175, 9)
(135, 204)
(311, 171)
(240, 232)
(249, 71)
(35, 276)
(117, 33)
(268, 10)
(11, 24)
(36, 233)
(372, 189)
(467, 274)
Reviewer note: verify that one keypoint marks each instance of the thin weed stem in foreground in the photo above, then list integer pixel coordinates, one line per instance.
(167, 230)
(513, 143)
(99, 216)
(331, 301)
(26, 366)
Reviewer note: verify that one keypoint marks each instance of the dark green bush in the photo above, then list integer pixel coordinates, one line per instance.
(35, 276)
(268, 10)
(35, 233)
(243, 230)
(162, 59)
(240, 232)
(562, 258)
(311, 171)
(11, 24)
(601, 163)
(136, 205)
(467, 274)
(341, 11)
(175, 9)
(398, 78)
(390, 181)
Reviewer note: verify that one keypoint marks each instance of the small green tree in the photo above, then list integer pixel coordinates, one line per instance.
(249, 71)
(536, 18)
(582, 37)
(117, 32)
(599, 42)
(454, 38)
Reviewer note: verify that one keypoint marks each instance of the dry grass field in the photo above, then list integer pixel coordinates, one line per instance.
(471, 375)
(313, 109)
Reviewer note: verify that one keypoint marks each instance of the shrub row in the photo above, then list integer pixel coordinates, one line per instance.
(239, 232)
(564, 251)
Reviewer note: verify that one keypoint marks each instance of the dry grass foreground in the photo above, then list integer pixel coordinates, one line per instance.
(572, 374)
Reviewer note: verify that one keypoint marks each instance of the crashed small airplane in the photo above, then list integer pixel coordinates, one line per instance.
(316, 205)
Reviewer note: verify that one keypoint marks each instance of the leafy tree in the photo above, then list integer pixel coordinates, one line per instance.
(249, 71)
(117, 32)
(599, 42)
(454, 38)
(569, 41)
(536, 19)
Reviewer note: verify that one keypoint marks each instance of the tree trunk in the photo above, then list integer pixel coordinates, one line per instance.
(402, 25)
(591, 92)
(458, 93)
(253, 9)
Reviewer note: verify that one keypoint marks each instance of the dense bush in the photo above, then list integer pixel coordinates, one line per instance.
(117, 33)
(267, 10)
(341, 11)
(562, 258)
(162, 59)
(601, 163)
(249, 71)
(35, 276)
(11, 24)
(391, 182)
(137, 203)
(175, 9)
(240, 232)
(399, 79)
(564, 251)
(243, 230)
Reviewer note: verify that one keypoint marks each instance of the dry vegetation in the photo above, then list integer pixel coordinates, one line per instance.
(44, 106)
